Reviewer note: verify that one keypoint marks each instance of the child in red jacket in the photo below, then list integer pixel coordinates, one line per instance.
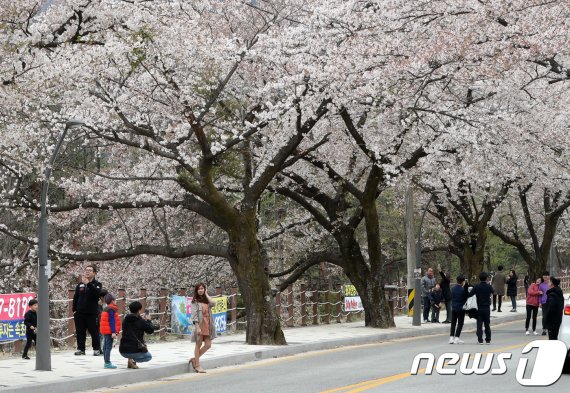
(532, 300)
(110, 326)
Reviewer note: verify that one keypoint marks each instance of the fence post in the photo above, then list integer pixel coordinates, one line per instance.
(70, 322)
(233, 302)
(278, 304)
(143, 298)
(290, 307)
(303, 305)
(315, 300)
(122, 302)
(338, 303)
(162, 304)
(328, 303)
(218, 291)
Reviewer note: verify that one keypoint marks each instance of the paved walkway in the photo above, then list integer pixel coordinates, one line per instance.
(83, 373)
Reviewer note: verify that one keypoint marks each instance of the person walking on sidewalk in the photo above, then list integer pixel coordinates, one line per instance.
(458, 298)
(446, 291)
(483, 291)
(512, 289)
(428, 282)
(499, 282)
(553, 308)
(204, 325)
(110, 325)
(532, 302)
(86, 310)
(544, 288)
(132, 345)
(31, 322)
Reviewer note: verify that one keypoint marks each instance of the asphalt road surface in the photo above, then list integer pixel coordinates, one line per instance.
(382, 367)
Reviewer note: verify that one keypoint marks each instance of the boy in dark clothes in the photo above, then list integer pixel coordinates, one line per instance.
(31, 322)
(436, 298)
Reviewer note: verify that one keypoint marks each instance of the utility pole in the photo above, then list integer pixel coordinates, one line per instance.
(414, 295)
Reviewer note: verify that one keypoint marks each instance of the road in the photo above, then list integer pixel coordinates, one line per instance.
(370, 368)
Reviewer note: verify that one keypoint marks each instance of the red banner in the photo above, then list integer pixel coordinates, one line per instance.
(14, 306)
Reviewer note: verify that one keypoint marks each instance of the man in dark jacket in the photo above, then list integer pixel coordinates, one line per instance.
(458, 298)
(427, 284)
(499, 282)
(445, 284)
(483, 292)
(132, 345)
(553, 308)
(86, 311)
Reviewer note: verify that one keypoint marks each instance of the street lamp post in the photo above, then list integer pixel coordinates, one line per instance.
(43, 354)
(417, 282)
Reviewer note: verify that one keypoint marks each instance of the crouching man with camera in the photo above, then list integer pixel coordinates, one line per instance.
(135, 325)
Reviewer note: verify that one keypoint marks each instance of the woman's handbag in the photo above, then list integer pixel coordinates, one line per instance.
(141, 346)
(471, 303)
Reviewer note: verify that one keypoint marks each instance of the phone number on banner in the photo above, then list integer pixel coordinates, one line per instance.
(14, 306)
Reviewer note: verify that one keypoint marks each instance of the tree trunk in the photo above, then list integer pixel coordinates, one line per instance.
(472, 251)
(472, 261)
(247, 261)
(377, 311)
(536, 266)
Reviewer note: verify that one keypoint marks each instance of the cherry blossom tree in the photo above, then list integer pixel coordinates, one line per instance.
(189, 107)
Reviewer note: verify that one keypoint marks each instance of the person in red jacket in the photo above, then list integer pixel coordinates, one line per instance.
(532, 301)
(110, 326)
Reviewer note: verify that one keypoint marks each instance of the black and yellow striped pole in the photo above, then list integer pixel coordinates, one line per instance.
(411, 293)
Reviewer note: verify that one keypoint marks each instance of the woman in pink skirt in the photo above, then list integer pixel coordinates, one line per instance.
(204, 326)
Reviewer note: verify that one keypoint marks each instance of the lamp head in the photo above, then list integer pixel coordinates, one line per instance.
(74, 123)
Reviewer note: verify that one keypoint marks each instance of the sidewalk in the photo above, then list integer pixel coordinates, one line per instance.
(72, 373)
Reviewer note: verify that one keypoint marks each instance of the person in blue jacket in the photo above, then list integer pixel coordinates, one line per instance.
(458, 298)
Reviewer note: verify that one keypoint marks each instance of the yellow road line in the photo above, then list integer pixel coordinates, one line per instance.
(265, 362)
(365, 385)
(362, 386)
(227, 370)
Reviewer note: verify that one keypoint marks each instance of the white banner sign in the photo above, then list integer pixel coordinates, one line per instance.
(353, 303)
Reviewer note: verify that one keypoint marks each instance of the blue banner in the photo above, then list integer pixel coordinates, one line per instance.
(12, 330)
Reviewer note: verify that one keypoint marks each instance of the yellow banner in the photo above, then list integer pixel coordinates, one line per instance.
(221, 305)
(350, 290)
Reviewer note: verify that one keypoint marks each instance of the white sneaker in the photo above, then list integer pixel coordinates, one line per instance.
(451, 340)
(528, 332)
(458, 341)
(535, 333)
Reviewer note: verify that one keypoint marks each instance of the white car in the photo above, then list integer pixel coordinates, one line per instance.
(564, 333)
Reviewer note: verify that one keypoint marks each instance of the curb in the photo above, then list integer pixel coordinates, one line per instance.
(125, 377)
